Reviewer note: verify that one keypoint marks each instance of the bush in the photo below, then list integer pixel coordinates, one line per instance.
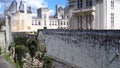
(20, 40)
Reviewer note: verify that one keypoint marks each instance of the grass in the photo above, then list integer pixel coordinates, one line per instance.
(7, 58)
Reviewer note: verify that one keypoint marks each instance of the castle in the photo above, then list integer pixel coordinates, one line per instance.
(22, 20)
(94, 14)
(78, 14)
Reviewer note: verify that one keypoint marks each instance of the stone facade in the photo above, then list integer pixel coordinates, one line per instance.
(22, 20)
(83, 49)
(94, 14)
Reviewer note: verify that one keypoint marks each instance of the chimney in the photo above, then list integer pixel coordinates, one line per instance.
(56, 9)
(17, 7)
(25, 6)
(21, 7)
(29, 8)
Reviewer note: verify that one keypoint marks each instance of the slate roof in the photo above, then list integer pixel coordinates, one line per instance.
(13, 6)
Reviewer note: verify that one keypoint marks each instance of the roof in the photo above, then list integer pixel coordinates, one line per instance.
(13, 6)
(42, 9)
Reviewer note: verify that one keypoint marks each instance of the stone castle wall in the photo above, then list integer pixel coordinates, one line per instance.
(2, 41)
(84, 48)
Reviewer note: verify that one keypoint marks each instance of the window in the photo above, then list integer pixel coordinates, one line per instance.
(79, 5)
(35, 22)
(112, 20)
(71, 3)
(55, 23)
(79, 22)
(50, 23)
(112, 4)
(45, 22)
(39, 23)
(32, 22)
(61, 23)
(88, 3)
(58, 23)
(64, 22)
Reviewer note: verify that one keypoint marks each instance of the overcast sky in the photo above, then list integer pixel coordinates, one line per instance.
(35, 4)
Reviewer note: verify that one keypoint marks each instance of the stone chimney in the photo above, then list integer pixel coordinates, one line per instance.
(25, 6)
(17, 7)
(56, 9)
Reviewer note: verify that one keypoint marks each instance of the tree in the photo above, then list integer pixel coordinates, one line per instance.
(20, 51)
(20, 40)
(32, 46)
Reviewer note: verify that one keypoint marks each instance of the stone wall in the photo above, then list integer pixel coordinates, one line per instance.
(83, 49)
(2, 41)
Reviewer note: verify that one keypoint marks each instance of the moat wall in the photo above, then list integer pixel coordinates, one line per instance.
(82, 48)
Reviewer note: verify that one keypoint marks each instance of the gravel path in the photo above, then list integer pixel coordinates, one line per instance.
(4, 63)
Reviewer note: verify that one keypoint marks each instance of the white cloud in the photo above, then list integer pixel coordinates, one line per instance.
(0, 5)
(1, 14)
(34, 14)
(35, 4)
(51, 12)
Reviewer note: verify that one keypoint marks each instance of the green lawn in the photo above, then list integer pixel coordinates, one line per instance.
(10, 61)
